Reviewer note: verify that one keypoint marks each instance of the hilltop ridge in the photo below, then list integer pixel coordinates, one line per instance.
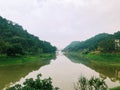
(102, 42)
(14, 40)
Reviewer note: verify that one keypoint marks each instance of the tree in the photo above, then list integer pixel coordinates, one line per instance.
(15, 50)
(14, 40)
(2, 46)
(107, 45)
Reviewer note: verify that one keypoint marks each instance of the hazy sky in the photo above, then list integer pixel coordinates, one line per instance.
(63, 21)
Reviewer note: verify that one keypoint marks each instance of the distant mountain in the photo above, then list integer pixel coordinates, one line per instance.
(14, 40)
(103, 42)
(72, 45)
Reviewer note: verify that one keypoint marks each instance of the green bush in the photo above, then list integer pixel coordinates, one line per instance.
(92, 84)
(37, 84)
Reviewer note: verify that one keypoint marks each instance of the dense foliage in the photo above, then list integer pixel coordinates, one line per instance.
(92, 84)
(37, 84)
(14, 40)
(101, 42)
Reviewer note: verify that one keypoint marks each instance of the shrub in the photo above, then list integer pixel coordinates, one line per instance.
(37, 84)
(92, 84)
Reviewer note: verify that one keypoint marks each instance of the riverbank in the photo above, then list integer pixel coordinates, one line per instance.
(14, 68)
(117, 88)
(105, 63)
(101, 58)
(6, 61)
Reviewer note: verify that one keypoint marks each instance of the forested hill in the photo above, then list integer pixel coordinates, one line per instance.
(102, 42)
(14, 40)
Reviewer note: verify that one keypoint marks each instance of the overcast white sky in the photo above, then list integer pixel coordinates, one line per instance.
(63, 21)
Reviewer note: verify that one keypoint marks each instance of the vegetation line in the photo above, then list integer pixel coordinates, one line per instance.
(5, 61)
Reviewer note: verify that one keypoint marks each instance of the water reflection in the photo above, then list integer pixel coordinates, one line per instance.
(12, 73)
(65, 73)
(113, 72)
(107, 72)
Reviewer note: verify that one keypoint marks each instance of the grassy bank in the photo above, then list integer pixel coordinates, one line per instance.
(104, 58)
(106, 64)
(117, 88)
(101, 58)
(5, 60)
(13, 68)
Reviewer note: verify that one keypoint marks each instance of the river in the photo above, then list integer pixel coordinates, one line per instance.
(65, 73)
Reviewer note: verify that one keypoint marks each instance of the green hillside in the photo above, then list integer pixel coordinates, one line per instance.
(102, 42)
(14, 40)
